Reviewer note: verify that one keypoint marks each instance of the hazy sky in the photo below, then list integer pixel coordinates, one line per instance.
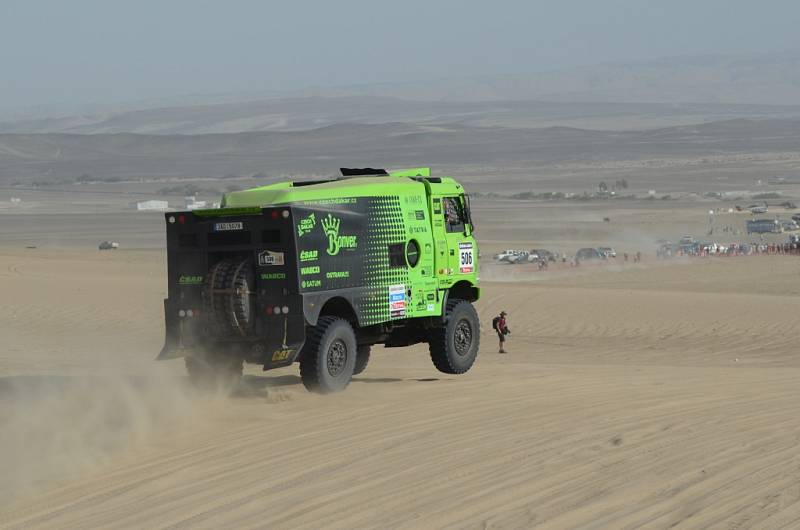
(99, 51)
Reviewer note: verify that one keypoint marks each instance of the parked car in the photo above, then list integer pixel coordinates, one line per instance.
(790, 225)
(507, 255)
(521, 257)
(108, 245)
(540, 253)
(585, 254)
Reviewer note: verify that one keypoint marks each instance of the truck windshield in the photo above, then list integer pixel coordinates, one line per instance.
(453, 214)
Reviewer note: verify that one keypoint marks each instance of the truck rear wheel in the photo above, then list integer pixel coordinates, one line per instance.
(329, 356)
(214, 372)
(454, 345)
(362, 359)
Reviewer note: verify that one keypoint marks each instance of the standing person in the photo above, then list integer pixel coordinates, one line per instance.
(500, 326)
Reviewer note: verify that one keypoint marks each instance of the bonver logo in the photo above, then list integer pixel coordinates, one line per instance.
(330, 225)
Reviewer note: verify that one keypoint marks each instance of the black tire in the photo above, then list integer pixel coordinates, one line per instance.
(230, 304)
(454, 345)
(329, 356)
(362, 359)
(212, 372)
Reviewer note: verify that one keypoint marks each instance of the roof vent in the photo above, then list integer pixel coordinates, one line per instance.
(362, 172)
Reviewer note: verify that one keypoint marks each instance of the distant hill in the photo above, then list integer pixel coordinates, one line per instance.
(37, 157)
(313, 112)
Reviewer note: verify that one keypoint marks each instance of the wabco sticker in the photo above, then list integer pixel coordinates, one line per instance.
(397, 300)
(268, 258)
(466, 264)
(227, 227)
(311, 269)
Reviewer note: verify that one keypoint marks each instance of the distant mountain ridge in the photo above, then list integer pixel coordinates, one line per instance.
(668, 91)
(307, 113)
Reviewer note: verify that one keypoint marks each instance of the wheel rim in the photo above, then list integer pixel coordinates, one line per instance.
(337, 358)
(463, 337)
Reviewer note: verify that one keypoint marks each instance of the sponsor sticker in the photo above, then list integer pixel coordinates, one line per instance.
(312, 269)
(466, 263)
(281, 355)
(309, 255)
(306, 224)
(397, 300)
(267, 258)
(190, 280)
(227, 227)
(336, 242)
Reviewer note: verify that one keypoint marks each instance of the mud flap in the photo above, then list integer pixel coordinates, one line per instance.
(173, 345)
(285, 346)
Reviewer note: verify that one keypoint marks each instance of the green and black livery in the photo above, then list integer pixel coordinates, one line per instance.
(318, 272)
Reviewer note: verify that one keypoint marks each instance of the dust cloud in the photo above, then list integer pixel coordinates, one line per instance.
(56, 427)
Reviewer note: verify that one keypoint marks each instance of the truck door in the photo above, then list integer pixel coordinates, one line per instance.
(455, 251)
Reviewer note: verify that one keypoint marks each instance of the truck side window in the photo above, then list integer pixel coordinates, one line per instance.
(453, 214)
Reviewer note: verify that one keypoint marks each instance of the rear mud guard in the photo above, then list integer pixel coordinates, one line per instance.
(173, 347)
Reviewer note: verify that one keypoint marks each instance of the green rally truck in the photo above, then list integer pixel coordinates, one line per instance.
(318, 272)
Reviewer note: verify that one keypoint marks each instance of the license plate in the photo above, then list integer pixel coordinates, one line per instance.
(226, 227)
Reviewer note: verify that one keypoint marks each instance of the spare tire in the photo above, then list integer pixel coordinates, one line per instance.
(230, 299)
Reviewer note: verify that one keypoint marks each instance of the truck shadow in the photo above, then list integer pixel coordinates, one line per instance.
(258, 384)
(392, 380)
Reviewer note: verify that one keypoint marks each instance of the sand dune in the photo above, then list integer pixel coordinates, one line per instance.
(654, 395)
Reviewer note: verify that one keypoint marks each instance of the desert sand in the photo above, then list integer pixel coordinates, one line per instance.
(661, 394)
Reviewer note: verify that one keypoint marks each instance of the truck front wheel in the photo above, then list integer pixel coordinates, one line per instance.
(454, 344)
(329, 356)
(362, 358)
